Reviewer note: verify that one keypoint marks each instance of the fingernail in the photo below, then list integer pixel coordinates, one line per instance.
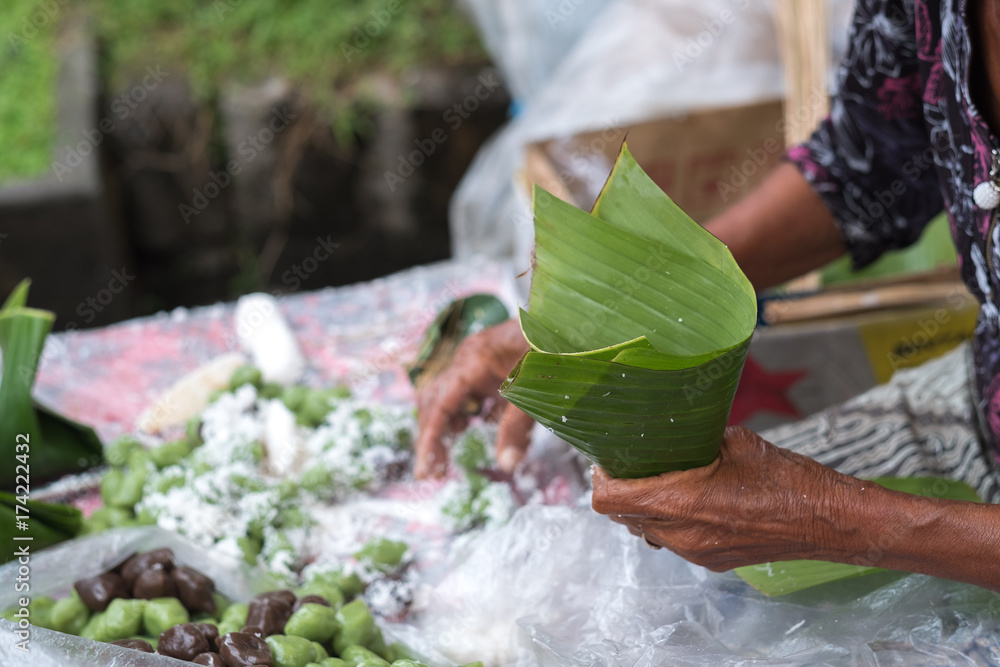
(508, 459)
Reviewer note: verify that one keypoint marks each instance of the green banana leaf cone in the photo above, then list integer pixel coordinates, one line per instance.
(639, 326)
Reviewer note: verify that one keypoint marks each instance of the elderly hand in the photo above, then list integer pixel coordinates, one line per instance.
(481, 363)
(755, 503)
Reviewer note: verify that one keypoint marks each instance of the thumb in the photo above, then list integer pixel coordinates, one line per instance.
(513, 438)
(615, 495)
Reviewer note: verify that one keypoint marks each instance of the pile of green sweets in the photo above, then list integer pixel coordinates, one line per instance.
(318, 624)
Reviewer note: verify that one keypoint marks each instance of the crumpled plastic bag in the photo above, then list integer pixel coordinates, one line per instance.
(53, 571)
(565, 586)
(528, 38)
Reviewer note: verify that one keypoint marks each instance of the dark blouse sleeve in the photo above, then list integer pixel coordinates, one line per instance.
(871, 159)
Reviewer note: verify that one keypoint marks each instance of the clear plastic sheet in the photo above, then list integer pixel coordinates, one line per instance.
(629, 66)
(53, 571)
(565, 586)
(361, 335)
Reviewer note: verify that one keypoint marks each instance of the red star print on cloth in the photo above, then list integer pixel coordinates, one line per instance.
(762, 390)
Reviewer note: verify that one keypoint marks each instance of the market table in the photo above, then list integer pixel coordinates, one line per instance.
(558, 584)
(361, 335)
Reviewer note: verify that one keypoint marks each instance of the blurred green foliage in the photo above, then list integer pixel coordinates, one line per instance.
(27, 79)
(323, 46)
(328, 48)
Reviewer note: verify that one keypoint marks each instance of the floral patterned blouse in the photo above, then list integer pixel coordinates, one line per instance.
(902, 142)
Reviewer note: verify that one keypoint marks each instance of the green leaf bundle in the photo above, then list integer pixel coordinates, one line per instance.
(57, 445)
(45, 523)
(639, 326)
(459, 319)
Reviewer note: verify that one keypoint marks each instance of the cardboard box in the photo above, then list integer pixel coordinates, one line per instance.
(705, 160)
(795, 370)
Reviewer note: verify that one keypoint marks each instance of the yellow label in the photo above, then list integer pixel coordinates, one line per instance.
(918, 336)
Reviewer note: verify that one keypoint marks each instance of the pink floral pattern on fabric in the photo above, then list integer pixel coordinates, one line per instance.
(934, 87)
(993, 412)
(924, 31)
(896, 98)
(802, 157)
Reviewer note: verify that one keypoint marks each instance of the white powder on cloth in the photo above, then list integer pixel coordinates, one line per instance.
(246, 479)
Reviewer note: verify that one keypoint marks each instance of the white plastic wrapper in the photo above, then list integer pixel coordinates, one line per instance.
(53, 571)
(638, 60)
(528, 38)
(565, 586)
(268, 339)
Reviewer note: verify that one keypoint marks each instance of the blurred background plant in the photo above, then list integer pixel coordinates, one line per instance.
(327, 49)
(363, 82)
(27, 93)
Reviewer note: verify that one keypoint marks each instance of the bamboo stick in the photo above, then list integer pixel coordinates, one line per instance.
(804, 44)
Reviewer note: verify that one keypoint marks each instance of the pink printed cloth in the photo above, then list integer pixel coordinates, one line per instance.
(361, 335)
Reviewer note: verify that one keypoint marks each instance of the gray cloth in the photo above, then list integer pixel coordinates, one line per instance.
(923, 422)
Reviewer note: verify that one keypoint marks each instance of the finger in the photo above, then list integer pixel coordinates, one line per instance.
(639, 527)
(457, 423)
(437, 418)
(513, 438)
(634, 523)
(432, 459)
(622, 519)
(496, 411)
(636, 497)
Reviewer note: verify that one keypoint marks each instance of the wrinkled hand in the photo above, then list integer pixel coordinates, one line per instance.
(755, 503)
(480, 365)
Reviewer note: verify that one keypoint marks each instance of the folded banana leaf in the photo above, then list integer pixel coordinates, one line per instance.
(57, 445)
(45, 523)
(458, 319)
(639, 326)
(781, 578)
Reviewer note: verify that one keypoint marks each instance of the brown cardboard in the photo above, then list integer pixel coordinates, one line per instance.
(705, 160)
(795, 370)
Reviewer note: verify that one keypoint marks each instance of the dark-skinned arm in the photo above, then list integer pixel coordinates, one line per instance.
(757, 503)
(780, 230)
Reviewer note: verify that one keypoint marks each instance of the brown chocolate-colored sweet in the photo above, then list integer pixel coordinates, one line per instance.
(137, 644)
(238, 649)
(209, 631)
(269, 613)
(307, 599)
(253, 630)
(194, 589)
(118, 568)
(158, 559)
(283, 594)
(210, 659)
(98, 592)
(183, 641)
(154, 583)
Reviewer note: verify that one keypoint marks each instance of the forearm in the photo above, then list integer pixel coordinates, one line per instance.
(780, 230)
(898, 531)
